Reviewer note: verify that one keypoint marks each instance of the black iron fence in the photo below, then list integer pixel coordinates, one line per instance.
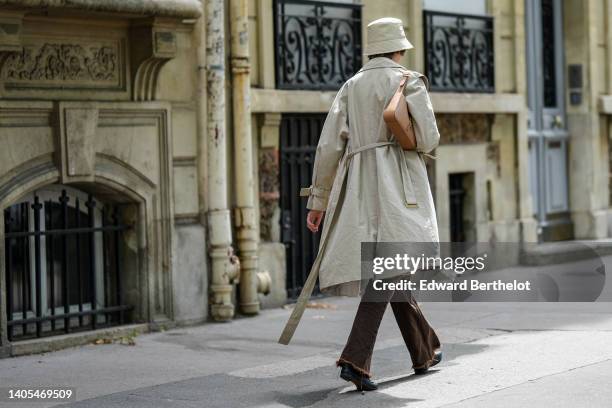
(318, 44)
(459, 52)
(63, 267)
(299, 135)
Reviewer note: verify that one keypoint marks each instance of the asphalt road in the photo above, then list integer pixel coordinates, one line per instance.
(496, 355)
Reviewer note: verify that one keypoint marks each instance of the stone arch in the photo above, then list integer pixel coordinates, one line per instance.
(149, 242)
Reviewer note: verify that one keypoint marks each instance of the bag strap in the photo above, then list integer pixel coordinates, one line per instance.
(403, 82)
(405, 77)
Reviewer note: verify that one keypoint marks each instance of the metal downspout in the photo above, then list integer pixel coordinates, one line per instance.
(213, 174)
(247, 233)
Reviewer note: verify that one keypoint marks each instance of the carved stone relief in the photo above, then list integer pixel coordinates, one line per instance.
(464, 128)
(65, 64)
(269, 187)
(269, 177)
(36, 62)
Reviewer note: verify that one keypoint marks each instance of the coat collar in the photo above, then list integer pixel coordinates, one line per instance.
(381, 62)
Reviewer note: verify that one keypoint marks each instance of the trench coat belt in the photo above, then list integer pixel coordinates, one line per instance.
(409, 196)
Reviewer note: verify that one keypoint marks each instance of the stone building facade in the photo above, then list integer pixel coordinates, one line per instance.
(99, 132)
(522, 94)
(142, 143)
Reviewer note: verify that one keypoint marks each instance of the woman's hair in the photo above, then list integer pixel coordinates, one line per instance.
(386, 55)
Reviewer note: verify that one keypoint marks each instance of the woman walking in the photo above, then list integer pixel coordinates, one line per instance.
(370, 190)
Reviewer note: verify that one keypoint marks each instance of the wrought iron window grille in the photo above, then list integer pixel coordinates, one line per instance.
(459, 52)
(63, 267)
(318, 44)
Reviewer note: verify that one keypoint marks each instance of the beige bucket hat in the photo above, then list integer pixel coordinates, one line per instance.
(386, 35)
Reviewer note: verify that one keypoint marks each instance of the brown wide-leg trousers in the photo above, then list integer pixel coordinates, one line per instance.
(420, 338)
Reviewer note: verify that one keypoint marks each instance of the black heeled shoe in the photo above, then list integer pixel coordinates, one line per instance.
(437, 358)
(362, 382)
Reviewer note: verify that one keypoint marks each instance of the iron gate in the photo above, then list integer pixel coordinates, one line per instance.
(299, 135)
(63, 266)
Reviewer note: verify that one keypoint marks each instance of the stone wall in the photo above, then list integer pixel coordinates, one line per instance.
(107, 103)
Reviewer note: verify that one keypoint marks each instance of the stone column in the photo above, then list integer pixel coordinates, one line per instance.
(588, 150)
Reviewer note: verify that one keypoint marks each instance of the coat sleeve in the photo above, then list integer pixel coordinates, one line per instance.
(421, 110)
(330, 149)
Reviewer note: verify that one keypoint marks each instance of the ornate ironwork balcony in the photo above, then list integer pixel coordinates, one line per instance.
(459, 52)
(318, 44)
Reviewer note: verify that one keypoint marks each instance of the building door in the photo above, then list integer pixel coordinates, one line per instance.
(548, 136)
(299, 135)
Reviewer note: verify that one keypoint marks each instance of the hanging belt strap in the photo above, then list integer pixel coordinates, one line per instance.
(409, 197)
(310, 283)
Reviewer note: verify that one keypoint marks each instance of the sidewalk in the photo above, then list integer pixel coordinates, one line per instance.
(496, 355)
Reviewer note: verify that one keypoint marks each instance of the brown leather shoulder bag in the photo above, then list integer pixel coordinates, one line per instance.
(398, 119)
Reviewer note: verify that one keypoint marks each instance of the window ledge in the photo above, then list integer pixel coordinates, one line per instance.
(444, 102)
(168, 8)
(280, 100)
(275, 100)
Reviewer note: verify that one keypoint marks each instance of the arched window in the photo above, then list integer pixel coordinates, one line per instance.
(63, 268)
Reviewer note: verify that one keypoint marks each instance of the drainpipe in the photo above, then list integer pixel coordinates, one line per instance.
(213, 174)
(251, 280)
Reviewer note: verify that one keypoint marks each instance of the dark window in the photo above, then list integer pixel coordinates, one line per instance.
(549, 66)
(63, 266)
(299, 135)
(457, 195)
(318, 44)
(459, 53)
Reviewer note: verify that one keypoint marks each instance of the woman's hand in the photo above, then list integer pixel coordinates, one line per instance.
(313, 220)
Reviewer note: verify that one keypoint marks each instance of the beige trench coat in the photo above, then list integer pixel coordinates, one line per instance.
(371, 191)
